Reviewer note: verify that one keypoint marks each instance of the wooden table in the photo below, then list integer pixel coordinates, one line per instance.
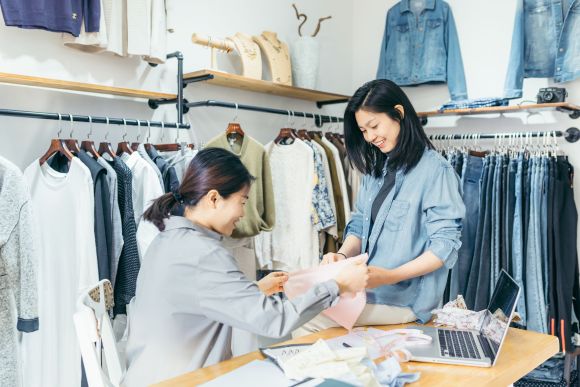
(522, 352)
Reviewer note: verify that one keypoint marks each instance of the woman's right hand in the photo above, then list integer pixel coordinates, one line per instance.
(331, 257)
(354, 277)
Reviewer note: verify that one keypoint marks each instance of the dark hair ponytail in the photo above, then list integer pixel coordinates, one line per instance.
(211, 168)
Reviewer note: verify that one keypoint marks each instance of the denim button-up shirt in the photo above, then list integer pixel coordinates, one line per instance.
(421, 49)
(423, 211)
(544, 43)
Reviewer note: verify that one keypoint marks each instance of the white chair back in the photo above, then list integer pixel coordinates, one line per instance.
(103, 365)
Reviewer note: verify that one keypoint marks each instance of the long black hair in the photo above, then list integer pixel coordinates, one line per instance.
(211, 168)
(381, 96)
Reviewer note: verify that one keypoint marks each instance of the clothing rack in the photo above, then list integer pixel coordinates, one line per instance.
(66, 117)
(319, 119)
(570, 135)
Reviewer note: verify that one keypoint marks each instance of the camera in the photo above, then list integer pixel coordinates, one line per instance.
(552, 94)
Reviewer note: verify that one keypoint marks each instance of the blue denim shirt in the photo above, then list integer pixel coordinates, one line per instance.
(422, 49)
(423, 211)
(544, 43)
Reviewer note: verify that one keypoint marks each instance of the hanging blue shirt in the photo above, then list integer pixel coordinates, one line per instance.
(422, 212)
(422, 47)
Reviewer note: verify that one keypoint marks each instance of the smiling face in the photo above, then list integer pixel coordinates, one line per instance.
(229, 211)
(378, 129)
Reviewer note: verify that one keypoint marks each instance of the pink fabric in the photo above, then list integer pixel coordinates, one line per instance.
(348, 308)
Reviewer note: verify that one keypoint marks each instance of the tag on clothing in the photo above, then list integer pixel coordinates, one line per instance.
(348, 308)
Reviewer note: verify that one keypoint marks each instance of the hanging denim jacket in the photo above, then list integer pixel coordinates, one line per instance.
(420, 45)
(544, 43)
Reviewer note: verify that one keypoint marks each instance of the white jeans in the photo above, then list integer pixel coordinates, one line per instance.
(372, 314)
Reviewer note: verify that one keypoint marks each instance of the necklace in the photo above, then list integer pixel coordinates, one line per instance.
(248, 49)
(276, 46)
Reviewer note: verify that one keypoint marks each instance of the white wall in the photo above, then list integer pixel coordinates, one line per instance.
(485, 31)
(40, 53)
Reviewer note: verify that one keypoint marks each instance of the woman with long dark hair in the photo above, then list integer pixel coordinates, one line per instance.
(190, 291)
(408, 212)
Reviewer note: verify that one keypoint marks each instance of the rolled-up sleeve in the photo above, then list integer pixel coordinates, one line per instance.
(444, 210)
(355, 223)
(227, 296)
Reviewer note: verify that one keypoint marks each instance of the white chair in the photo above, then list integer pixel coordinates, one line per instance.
(96, 337)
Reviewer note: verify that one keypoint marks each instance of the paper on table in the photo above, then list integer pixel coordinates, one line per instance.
(256, 373)
(348, 308)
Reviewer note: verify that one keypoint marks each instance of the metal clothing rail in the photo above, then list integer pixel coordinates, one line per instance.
(570, 135)
(319, 119)
(66, 117)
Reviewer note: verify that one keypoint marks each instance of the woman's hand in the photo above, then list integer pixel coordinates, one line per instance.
(273, 283)
(379, 276)
(331, 257)
(353, 278)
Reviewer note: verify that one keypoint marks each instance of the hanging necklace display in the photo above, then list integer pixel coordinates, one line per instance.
(250, 55)
(277, 55)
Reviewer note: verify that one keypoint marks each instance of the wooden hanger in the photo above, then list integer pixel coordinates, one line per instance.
(124, 146)
(136, 144)
(105, 147)
(285, 133)
(234, 127)
(56, 146)
(71, 143)
(88, 145)
(167, 147)
(303, 135)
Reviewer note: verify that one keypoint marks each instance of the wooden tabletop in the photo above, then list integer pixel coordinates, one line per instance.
(522, 352)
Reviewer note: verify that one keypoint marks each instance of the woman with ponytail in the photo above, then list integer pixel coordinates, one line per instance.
(190, 291)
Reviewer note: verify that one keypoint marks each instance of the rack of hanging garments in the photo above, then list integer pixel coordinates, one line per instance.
(521, 217)
(319, 119)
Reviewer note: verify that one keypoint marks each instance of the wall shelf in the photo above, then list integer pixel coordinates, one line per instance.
(17, 79)
(572, 110)
(235, 81)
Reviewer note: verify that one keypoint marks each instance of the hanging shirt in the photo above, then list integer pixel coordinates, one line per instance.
(341, 177)
(129, 264)
(180, 160)
(169, 179)
(117, 229)
(293, 243)
(18, 269)
(260, 207)
(209, 295)
(143, 153)
(324, 216)
(146, 187)
(333, 229)
(63, 206)
(337, 192)
(57, 16)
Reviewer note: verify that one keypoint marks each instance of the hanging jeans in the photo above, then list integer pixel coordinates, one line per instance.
(536, 312)
(496, 222)
(478, 289)
(517, 234)
(565, 234)
(471, 175)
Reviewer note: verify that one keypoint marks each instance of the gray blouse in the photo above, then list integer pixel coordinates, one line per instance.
(190, 293)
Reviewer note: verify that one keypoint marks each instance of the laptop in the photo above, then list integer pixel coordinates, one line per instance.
(474, 348)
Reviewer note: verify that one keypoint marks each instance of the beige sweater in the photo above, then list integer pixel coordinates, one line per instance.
(260, 210)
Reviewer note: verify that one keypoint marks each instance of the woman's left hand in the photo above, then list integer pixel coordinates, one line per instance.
(273, 283)
(379, 276)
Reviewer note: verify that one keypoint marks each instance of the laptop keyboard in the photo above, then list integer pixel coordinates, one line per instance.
(457, 344)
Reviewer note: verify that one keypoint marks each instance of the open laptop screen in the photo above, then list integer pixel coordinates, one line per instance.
(499, 312)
